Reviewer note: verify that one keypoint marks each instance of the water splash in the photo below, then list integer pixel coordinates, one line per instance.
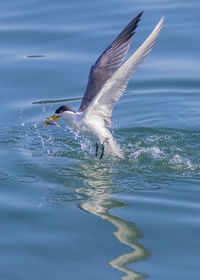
(153, 157)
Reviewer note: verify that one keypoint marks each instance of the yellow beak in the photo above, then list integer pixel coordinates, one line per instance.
(52, 118)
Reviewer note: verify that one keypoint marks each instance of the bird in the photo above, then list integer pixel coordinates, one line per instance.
(107, 81)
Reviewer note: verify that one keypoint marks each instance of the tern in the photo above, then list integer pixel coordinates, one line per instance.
(107, 81)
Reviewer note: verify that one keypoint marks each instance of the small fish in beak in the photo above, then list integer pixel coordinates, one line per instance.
(51, 121)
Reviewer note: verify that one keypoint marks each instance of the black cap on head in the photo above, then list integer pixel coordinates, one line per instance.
(63, 108)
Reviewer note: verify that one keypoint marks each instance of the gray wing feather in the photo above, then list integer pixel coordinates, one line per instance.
(108, 62)
(103, 103)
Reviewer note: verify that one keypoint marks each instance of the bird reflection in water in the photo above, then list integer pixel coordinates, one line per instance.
(126, 232)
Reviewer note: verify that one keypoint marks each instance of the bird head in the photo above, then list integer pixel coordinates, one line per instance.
(63, 109)
(58, 114)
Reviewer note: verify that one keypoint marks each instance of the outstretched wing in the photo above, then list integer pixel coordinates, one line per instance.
(102, 105)
(108, 62)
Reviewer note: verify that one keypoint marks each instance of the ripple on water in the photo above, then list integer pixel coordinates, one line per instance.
(153, 157)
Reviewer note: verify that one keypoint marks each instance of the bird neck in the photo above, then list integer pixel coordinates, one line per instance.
(70, 118)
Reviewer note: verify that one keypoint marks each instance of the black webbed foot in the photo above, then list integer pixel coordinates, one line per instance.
(97, 147)
(102, 151)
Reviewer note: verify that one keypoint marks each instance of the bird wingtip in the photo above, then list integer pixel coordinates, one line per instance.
(162, 19)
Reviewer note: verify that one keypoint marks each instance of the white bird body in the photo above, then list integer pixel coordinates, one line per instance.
(93, 128)
(108, 79)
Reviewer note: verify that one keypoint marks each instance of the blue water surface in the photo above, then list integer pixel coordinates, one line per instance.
(65, 214)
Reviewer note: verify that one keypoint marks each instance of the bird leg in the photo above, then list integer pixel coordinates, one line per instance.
(97, 147)
(102, 151)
